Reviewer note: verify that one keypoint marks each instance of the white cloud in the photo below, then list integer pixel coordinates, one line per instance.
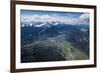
(55, 18)
(84, 16)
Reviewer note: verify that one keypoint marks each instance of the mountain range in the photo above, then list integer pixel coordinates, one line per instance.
(54, 41)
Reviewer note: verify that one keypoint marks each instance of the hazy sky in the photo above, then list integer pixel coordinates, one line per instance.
(49, 16)
(35, 12)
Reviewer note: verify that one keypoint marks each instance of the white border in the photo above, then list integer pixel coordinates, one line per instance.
(52, 64)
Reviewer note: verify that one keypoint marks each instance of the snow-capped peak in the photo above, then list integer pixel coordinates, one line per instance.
(39, 25)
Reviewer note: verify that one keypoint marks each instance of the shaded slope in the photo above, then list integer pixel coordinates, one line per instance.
(51, 50)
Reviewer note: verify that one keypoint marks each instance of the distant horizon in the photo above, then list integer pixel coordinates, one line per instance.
(29, 16)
